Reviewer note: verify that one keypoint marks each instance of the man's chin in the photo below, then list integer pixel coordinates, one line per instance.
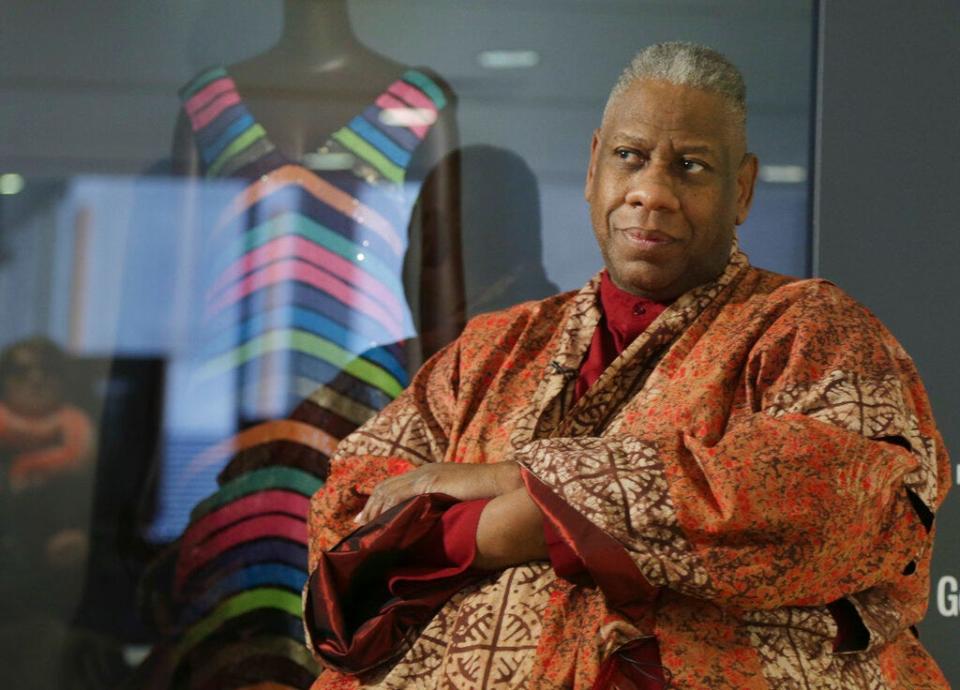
(645, 281)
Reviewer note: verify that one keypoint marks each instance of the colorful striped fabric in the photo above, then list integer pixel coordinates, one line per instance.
(341, 233)
(304, 297)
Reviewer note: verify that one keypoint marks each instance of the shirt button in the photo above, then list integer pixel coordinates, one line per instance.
(639, 310)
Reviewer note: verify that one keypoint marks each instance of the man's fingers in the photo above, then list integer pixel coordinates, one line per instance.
(382, 499)
(361, 517)
(372, 508)
(394, 490)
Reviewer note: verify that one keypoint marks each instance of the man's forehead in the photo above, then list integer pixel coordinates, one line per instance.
(651, 109)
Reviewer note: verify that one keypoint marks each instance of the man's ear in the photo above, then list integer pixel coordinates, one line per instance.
(592, 167)
(746, 182)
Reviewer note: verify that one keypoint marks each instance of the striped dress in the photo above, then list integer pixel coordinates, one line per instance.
(305, 317)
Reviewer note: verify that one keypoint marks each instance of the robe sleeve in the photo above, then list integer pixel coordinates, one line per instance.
(412, 430)
(821, 486)
(370, 587)
(370, 591)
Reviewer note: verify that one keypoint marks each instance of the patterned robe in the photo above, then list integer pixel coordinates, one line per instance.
(763, 449)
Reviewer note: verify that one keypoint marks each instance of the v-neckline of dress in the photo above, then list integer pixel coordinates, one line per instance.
(287, 158)
(381, 150)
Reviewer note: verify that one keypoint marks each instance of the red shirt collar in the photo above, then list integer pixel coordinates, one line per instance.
(626, 316)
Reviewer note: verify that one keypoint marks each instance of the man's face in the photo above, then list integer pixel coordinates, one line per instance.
(668, 181)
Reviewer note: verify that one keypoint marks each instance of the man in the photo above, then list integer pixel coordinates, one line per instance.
(691, 473)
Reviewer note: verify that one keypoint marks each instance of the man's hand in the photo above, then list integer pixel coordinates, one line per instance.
(463, 482)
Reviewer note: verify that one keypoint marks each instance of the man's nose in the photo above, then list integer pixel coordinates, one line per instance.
(652, 188)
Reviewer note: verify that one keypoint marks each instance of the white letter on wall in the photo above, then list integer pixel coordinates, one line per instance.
(948, 597)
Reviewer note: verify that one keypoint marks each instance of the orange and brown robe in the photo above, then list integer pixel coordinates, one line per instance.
(762, 454)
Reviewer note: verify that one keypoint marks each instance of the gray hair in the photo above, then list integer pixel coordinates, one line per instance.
(687, 64)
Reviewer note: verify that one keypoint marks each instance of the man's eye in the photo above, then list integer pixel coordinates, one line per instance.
(626, 154)
(692, 166)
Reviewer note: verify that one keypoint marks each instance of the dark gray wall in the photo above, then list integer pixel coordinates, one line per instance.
(886, 211)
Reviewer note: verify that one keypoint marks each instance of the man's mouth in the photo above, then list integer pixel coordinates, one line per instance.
(648, 238)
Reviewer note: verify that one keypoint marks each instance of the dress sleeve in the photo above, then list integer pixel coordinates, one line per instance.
(823, 489)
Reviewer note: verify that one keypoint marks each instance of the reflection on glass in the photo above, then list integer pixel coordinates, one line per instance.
(46, 472)
(304, 329)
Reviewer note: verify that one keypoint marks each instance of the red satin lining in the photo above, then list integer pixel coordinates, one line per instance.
(624, 587)
(579, 550)
(364, 598)
(565, 561)
(447, 550)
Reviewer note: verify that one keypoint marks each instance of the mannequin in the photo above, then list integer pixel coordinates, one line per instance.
(314, 80)
(238, 568)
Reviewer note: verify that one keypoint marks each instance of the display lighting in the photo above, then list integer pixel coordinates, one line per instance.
(11, 183)
(783, 174)
(508, 59)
